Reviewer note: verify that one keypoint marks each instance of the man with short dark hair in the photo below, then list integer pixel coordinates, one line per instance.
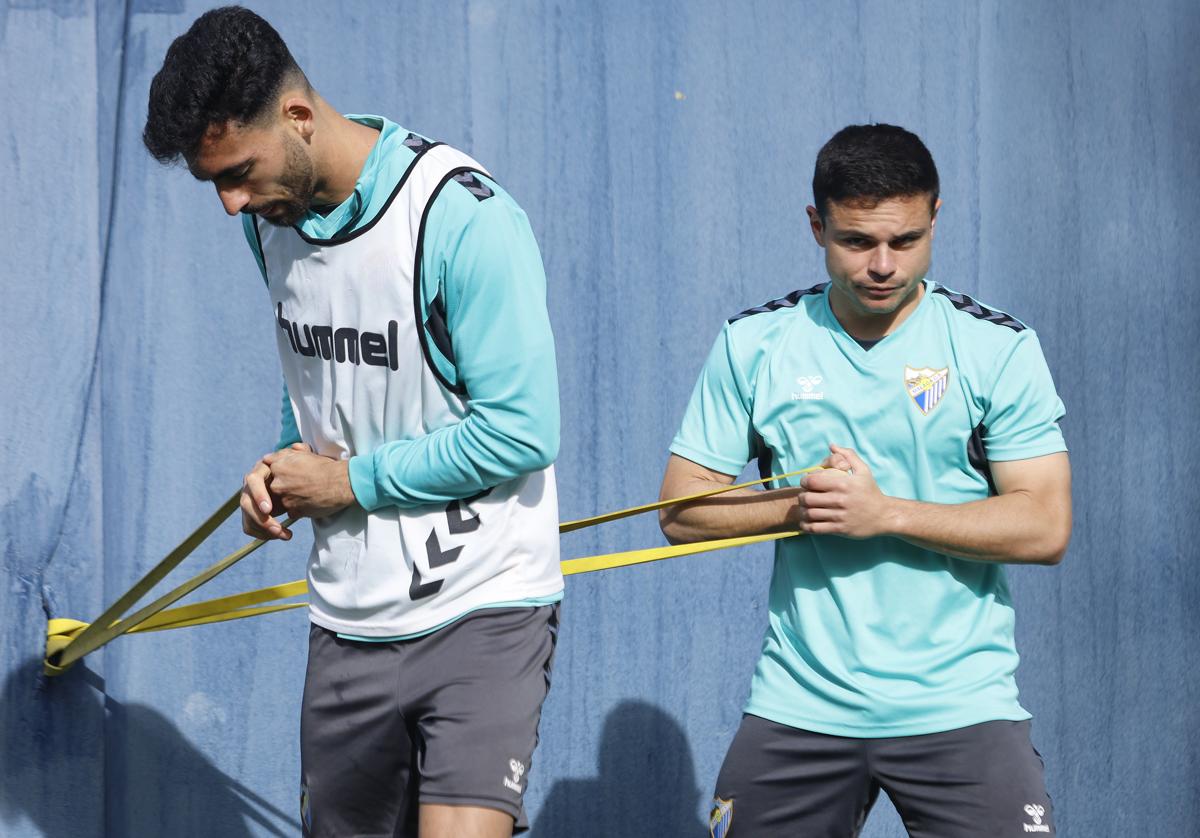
(420, 424)
(888, 659)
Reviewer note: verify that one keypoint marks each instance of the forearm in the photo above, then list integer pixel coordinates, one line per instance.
(451, 463)
(1012, 527)
(729, 515)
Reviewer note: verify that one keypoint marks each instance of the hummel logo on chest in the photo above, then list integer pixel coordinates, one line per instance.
(808, 388)
(344, 345)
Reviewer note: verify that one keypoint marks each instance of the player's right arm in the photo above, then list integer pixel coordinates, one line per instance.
(740, 512)
(714, 443)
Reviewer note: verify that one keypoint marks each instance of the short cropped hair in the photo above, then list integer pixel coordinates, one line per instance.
(230, 65)
(866, 164)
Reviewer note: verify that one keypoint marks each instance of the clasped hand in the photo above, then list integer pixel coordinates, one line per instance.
(295, 481)
(842, 500)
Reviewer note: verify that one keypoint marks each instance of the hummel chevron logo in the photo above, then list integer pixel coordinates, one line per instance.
(437, 557)
(418, 591)
(457, 523)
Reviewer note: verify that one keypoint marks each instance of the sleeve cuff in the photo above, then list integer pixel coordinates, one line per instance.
(287, 439)
(709, 461)
(362, 482)
(1004, 454)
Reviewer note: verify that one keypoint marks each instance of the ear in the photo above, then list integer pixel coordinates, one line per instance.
(298, 113)
(937, 205)
(818, 226)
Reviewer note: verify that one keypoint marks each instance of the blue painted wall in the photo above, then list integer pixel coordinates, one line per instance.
(663, 152)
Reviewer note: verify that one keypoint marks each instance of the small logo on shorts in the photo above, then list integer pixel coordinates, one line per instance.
(305, 807)
(1036, 812)
(808, 383)
(721, 818)
(518, 769)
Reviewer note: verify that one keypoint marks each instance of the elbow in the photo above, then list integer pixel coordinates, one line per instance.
(537, 435)
(1052, 549)
(540, 452)
(547, 453)
(672, 529)
(520, 445)
(1047, 559)
(1056, 555)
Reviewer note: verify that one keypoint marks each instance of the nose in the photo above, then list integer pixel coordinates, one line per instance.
(233, 199)
(883, 262)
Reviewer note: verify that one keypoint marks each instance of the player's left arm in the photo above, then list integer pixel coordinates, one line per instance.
(1028, 522)
(503, 348)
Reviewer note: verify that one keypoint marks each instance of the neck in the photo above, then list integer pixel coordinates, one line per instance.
(873, 327)
(345, 151)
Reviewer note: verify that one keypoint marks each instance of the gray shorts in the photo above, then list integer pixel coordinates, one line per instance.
(450, 717)
(982, 781)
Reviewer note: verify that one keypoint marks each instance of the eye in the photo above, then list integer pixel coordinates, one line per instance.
(234, 177)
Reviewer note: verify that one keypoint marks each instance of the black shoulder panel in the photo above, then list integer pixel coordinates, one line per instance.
(783, 302)
(418, 144)
(964, 303)
(474, 185)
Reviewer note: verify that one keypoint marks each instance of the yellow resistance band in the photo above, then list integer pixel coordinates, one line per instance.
(69, 640)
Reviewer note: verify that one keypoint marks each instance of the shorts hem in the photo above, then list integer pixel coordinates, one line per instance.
(422, 627)
(886, 731)
(471, 800)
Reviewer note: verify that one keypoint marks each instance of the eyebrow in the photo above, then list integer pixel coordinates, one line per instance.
(228, 171)
(860, 234)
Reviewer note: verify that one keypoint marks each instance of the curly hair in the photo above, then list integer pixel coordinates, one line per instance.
(230, 65)
(870, 163)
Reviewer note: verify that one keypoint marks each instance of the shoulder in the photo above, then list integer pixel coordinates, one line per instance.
(783, 304)
(965, 310)
(456, 198)
(472, 215)
(986, 339)
(971, 322)
(752, 335)
(778, 311)
(761, 323)
(472, 198)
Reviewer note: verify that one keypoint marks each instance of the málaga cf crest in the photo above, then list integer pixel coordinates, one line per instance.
(926, 386)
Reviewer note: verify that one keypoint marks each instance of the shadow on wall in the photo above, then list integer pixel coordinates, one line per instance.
(646, 785)
(144, 780)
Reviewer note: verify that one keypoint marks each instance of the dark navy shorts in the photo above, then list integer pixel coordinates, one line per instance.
(450, 718)
(982, 781)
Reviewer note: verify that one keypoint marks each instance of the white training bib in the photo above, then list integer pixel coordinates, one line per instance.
(347, 321)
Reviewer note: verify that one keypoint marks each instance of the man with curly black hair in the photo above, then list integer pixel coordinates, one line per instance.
(420, 424)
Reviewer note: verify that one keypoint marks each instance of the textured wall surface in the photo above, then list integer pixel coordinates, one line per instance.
(663, 151)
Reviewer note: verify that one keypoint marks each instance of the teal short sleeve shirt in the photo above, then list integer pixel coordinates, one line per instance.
(879, 637)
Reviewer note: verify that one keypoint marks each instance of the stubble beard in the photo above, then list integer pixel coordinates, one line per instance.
(298, 182)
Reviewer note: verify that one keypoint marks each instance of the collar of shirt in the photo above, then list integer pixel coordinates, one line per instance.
(370, 190)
